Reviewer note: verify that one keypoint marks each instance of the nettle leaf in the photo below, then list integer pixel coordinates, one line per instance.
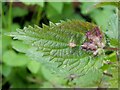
(59, 47)
(101, 4)
(19, 60)
(20, 47)
(57, 6)
(112, 30)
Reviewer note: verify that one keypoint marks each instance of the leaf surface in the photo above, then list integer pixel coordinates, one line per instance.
(52, 48)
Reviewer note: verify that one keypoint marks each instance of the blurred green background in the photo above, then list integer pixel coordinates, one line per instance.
(18, 70)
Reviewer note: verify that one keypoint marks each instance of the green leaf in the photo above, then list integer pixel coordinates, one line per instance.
(101, 17)
(51, 46)
(54, 79)
(70, 14)
(20, 47)
(112, 30)
(93, 76)
(87, 7)
(47, 85)
(54, 16)
(1, 47)
(14, 26)
(112, 27)
(6, 70)
(34, 54)
(12, 59)
(33, 66)
(111, 82)
(114, 81)
(17, 77)
(112, 57)
(58, 6)
(51, 11)
(18, 11)
(101, 4)
(5, 44)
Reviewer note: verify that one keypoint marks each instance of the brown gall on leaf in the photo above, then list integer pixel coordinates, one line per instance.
(94, 41)
(94, 32)
(89, 46)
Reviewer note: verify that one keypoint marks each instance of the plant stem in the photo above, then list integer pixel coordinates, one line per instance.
(111, 49)
(10, 16)
(38, 16)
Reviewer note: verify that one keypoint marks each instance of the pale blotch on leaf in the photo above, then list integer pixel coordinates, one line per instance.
(72, 44)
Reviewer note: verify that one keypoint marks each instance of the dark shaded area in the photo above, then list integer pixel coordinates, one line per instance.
(86, 17)
(108, 52)
(21, 21)
(78, 11)
(6, 86)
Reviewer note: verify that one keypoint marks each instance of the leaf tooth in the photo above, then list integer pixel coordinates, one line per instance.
(37, 28)
(30, 27)
(25, 28)
(45, 26)
(51, 24)
(57, 23)
(20, 31)
(62, 21)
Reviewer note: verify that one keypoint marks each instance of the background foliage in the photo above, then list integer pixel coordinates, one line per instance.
(26, 71)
